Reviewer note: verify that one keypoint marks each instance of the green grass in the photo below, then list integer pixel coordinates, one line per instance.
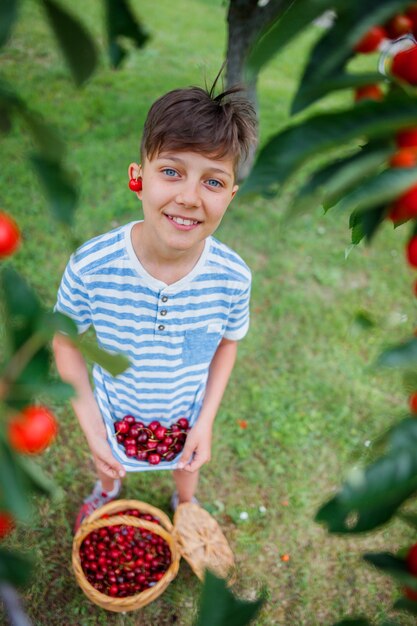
(303, 380)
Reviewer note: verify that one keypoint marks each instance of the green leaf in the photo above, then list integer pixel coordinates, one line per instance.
(371, 496)
(22, 394)
(61, 193)
(37, 479)
(115, 364)
(410, 381)
(122, 23)
(403, 355)
(403, 604)
(219, 607)
(47, 140)
(366, 224)
(393, 566)
(379, 190)
(52, 322)
(14, 489)
(8, 15)
(289, 150)
(14, 568)
(76, 44)
(325, 69)
(295, 16)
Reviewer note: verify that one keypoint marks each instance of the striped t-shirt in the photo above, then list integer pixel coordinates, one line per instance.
(169, 332)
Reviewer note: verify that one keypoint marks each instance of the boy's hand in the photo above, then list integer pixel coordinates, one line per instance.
(197, 449)
(104, 459)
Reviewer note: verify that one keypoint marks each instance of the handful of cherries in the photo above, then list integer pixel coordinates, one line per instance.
(122, 561)
(152, 443)
(134, 513)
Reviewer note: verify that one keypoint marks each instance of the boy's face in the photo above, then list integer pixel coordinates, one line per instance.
(184, 197)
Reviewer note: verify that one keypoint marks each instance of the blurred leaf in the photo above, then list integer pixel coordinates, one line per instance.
(115, 364)
(403, 355)
(366, 224)
(287, 151)
(219, 607)
(410, 381)
(37, 480)
(5, 119)
(325, 70)
(406, 605)
(21, 394)
(52, 322)
(393, 566)
(14, 568)
(379, 189)
(47, 140)
(122, 23)
(371, 496)
(61, 193)
(364, 320)
(295, 16)
(8, 14)
(75, 43)
(14, 488)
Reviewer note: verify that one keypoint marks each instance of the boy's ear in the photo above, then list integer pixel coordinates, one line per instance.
(234, 190)
(134, 170)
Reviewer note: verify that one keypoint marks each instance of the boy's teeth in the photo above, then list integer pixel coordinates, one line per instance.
(179, 220)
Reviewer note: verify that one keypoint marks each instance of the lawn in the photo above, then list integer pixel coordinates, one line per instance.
(303, 382)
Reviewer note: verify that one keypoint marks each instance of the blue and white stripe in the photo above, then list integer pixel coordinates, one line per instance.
(169, 332)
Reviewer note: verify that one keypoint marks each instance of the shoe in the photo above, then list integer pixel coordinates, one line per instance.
(95, 500)
(175, 501)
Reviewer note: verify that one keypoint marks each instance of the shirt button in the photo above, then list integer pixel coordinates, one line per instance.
(164, 298)
(161, 327)
(164, 312)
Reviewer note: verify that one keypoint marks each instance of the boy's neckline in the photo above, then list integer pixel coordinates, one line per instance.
(149, 278)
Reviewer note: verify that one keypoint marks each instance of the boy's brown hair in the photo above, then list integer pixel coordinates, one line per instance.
(194, 119)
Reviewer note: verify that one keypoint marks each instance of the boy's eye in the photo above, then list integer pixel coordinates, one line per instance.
(212, 182)
(169, 171)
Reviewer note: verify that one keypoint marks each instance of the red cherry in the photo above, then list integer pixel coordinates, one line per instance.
(406, 157)
(122, 427)
(410, 593)
(407, 138)
(9, 235)
(142, 455)
(404, 65)
(371, 40)
(33, 430)
(411, 559)
(412, 252)
(153, 426)
(413, 408)
(131, 451)
(183, 423)
(405, 207)
(369, 92)
(170, 455)
(151, 444)
(160, 432)
(6, 523)
(135, 184)
(129, 419)
(399, 25)
(154, 458)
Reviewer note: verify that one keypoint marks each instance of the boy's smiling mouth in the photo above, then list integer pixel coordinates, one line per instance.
(182, 222)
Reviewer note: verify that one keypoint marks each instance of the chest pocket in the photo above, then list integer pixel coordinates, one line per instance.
(200, 344)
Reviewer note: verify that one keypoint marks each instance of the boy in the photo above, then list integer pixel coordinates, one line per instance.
(163, 291)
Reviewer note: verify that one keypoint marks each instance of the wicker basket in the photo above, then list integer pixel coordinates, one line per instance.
(129, 603)
(202, 543)
(118, 506)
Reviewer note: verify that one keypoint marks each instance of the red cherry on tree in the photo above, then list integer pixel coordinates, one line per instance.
(411, 560)
(398, 26)
(369, 92)
(406, 157)
(404, 208)
(412, 402)
(31, 431)
(6, 523)
(412, 252)
(404, 65)
(371, 40)
(407, 138)
(9, 235)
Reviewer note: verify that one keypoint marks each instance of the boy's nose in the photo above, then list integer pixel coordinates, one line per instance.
(189, 196)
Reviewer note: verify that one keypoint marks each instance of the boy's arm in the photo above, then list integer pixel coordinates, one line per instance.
(73, 370)
(199, 438)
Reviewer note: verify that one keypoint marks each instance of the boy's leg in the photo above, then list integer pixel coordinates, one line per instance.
(186, 483)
